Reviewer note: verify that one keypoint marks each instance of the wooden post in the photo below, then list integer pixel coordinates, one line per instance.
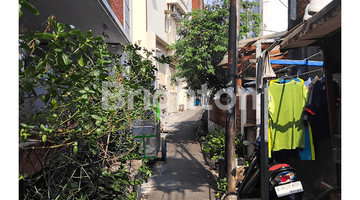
(328, 65)
(234, 25)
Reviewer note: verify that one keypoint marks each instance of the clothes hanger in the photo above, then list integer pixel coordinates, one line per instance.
(286, 77)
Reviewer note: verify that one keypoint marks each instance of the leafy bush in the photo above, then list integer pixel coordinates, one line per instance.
(215, 143)
(222, 187)
(84, 140)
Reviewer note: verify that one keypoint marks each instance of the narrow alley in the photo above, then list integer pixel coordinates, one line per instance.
(185, 175)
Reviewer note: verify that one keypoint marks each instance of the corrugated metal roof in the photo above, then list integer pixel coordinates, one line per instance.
(323, 23)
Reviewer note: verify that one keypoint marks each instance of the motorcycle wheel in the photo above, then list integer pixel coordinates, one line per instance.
(328, 192)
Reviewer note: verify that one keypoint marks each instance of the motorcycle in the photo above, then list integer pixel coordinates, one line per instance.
(283, 182)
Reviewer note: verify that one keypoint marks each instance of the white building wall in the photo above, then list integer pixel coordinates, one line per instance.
(275, 16)
(149, 29)
(156, 17)
(139, 23)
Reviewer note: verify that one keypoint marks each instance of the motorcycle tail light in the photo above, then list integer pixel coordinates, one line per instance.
(284, 177)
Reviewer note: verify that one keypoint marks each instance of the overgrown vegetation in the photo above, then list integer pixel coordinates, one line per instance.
(222, 187)
(215, 144)
(61, 102)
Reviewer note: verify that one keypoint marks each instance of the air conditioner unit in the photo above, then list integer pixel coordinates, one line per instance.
(176, 15)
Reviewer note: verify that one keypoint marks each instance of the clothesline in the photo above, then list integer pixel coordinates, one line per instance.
(307, 72)
(291, 66)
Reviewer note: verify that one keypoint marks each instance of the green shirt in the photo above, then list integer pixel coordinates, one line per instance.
(286, 106)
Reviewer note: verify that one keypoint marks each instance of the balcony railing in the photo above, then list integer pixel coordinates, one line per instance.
(180, 4)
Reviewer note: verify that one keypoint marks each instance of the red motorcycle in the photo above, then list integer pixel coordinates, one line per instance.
(283, 180)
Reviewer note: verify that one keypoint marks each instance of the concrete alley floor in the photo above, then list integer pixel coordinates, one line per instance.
(185, 175)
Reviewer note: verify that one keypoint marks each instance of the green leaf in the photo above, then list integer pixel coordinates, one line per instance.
(89, 34)
(25, 46)
(58, 50)
(75, 149)
(96, 117)
(60, 27)
(67, 26)
(75, 32)
(84, 96)
(54, 103)
(30, 7)
(65, 58)
(44, 137)
(20, 12)
(41, 63)
(29, 70)
(85, 115)
(44, 35)
(95, 73)
(81, 61)
(45, 98)
(21, 64)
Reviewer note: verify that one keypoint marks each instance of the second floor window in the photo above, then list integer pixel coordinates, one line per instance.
(166, 23)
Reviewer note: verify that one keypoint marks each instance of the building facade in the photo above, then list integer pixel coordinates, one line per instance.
(154, 28)
(198, 4)
(274, 16)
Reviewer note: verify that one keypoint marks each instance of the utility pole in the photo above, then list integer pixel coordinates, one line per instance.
(234, 25)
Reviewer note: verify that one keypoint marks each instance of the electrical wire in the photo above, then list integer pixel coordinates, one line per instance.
(283, 3)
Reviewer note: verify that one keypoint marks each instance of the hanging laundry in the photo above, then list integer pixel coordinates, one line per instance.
(308, 152)
(286, 104)
(312, 83)
(306, 83)
(264, 69)
(316, 110)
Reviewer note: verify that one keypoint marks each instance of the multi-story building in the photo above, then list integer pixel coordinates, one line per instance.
(198, 4)
(274, 16)
(154, 27)
(112, 17)
(151, 24)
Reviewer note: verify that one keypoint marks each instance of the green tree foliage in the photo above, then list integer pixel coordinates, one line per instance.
(84, 139)
(204, 41)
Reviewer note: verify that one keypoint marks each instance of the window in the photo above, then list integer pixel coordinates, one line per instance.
(166, 23)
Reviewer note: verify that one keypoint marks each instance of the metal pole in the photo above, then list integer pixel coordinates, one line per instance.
(264, 153)
(258, 95)
(234, 25)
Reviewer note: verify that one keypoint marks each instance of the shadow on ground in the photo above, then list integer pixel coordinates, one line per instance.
(185, 175)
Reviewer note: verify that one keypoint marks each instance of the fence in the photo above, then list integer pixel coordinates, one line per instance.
(218, 116)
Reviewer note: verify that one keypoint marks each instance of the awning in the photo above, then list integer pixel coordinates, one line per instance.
(95, 15)
(325, 23)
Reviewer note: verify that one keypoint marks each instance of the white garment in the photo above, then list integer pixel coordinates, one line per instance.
(264, 69)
